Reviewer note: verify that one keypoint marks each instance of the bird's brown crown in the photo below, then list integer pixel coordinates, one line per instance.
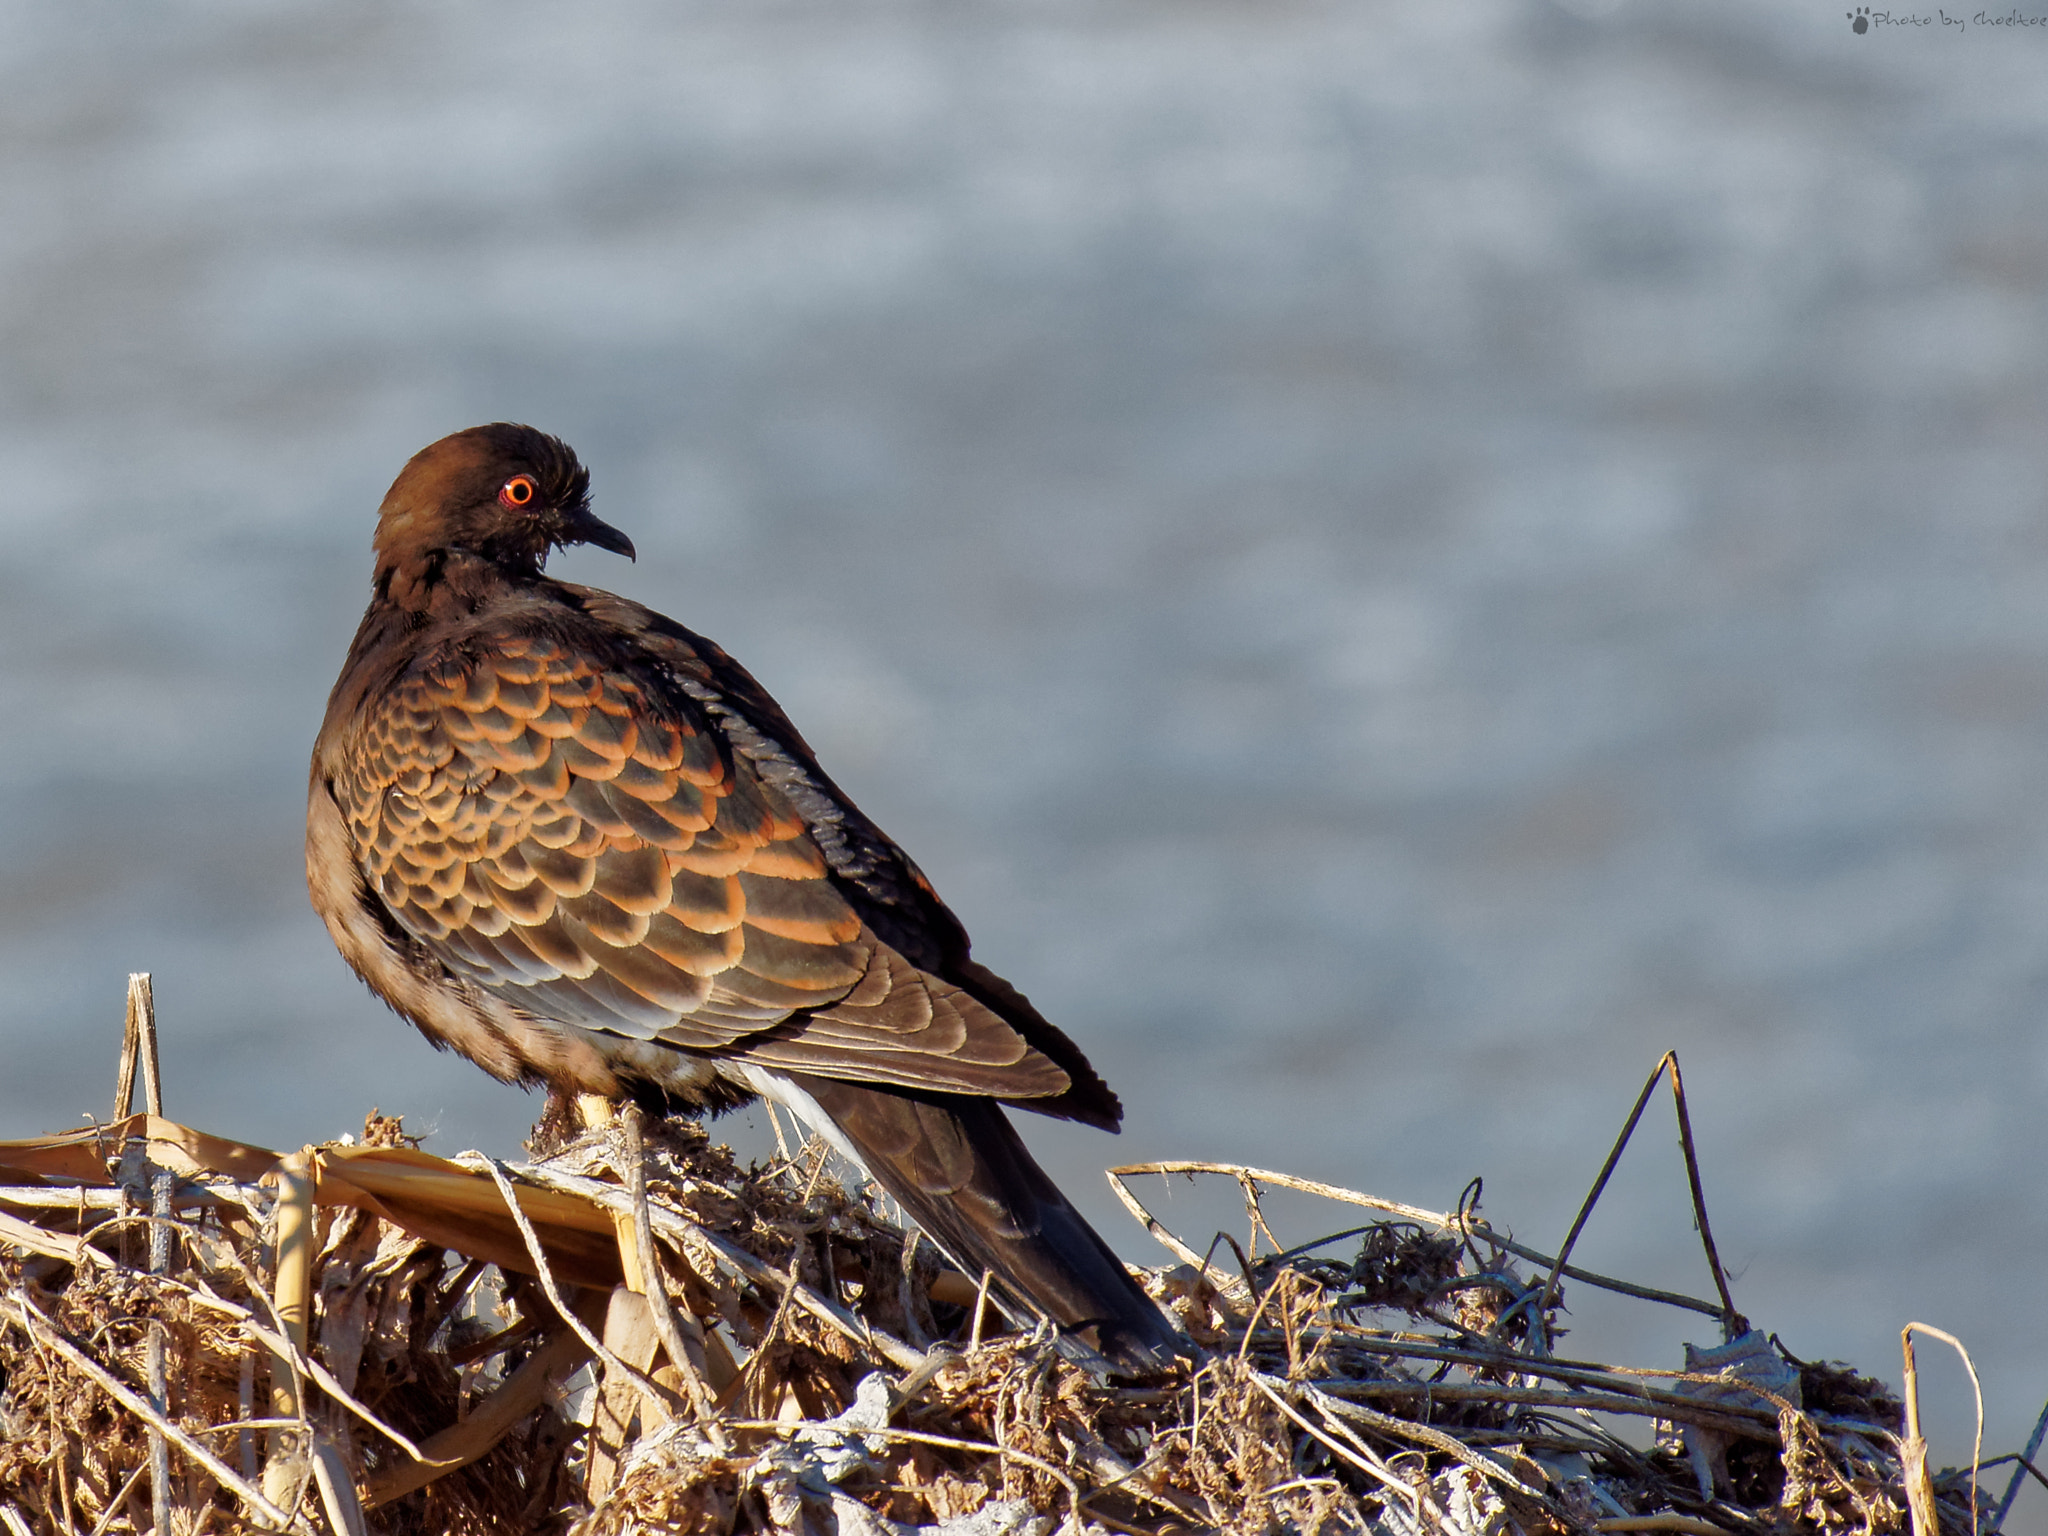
(502, 492)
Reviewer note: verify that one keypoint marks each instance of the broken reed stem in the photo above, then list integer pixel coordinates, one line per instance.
(656, 1287)
(1913, 1449)
(980, 1310)
(1731, 1320)
(293, 1268)
(2019, 1472)
(159, 1387)
(1539, 1330)
(292, 1301)
(1152, 1224)
(138, 1048)
(139, 1178)
(1240, 1172)
(285, 1465)
(142, 1007)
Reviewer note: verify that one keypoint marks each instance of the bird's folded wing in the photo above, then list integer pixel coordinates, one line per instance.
(559, 835)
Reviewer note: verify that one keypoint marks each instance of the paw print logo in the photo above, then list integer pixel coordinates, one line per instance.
(1859, 20)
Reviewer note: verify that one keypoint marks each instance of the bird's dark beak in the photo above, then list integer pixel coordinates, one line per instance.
(589, 530)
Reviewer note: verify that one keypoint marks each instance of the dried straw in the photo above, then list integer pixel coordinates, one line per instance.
(800, 1359)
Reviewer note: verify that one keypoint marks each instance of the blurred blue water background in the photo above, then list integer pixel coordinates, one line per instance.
(1392, 560)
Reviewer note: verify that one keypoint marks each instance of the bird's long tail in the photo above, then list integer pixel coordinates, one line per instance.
(960, 1170)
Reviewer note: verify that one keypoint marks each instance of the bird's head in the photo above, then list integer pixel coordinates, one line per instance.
(504, 492)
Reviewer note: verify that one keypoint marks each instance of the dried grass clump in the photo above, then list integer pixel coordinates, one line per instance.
(635, 1334)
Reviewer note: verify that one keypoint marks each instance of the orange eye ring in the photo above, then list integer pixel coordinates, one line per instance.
(519, 491)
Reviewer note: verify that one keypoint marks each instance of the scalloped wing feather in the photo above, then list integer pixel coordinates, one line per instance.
(555, 835)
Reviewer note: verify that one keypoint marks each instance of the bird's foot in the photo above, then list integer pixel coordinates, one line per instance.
(565, 1117)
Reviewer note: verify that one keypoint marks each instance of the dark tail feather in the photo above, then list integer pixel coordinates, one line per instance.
(957, 1165)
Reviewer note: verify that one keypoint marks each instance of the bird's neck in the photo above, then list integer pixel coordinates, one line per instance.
(416, 604)
(448, 583)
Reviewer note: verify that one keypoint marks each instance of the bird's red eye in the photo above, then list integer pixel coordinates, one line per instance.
(517, 491)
